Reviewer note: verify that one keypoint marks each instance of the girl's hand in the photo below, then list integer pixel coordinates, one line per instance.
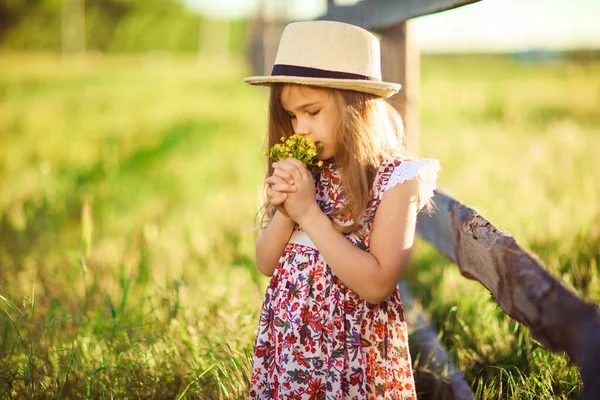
(277, 191)
(299, 202)
(279, 184)
(280, 173)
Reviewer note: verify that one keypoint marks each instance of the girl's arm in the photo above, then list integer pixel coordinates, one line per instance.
(273, 239)
(375, 274)
(372, 275)
(271, 243)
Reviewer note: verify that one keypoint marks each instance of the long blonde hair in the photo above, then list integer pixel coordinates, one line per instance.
(370, 129)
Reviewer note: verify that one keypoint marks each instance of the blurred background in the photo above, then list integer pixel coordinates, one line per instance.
(131, 169)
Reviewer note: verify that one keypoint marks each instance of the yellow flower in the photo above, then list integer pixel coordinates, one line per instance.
(296, 146)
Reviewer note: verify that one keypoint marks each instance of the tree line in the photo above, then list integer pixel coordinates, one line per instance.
(110, 26)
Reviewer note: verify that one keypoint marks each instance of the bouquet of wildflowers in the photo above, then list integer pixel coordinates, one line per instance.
(298, 147)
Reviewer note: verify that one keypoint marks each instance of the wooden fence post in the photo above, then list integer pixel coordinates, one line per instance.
(274, 18)
(72, 27)
(400, 64)
(436, 377)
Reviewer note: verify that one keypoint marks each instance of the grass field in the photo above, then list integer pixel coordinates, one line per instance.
(128, 193)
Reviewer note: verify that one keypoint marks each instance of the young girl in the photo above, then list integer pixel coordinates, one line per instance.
(337, 237)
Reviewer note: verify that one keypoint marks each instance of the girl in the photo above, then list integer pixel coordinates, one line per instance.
(337, 238)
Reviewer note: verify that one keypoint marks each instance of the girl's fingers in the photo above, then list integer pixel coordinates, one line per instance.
(299, 165)
(276, 180)
(289, 165)
(298, 169)
(278, 199)
(284, 187)
(280, 173)
(272, 193)
(275, 197)
(279, 184)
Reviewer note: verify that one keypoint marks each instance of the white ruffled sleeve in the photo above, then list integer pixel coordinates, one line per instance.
(425, 170)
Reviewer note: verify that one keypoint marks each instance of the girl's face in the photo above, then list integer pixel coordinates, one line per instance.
(313, 113)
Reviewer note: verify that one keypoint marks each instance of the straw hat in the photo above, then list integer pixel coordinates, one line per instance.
(328, 54)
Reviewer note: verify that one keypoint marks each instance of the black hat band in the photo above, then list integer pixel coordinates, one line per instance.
(309, 72)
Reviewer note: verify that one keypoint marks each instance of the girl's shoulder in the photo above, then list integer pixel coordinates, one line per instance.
(395, 170)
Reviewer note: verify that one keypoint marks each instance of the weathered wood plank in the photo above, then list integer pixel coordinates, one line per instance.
(556, 317)
(379, 14)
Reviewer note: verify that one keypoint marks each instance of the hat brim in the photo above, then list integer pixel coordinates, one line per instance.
(381, 89)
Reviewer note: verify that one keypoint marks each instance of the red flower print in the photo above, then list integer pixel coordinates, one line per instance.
(356, 376)
(316, 389)
(291, 339)
(274, 389)
(302, 266)
(380, 328)
(262, 350)
(300, 358)
(350, 306)
(379, 369)
(304, 314)
(315, 324)
(392, 318)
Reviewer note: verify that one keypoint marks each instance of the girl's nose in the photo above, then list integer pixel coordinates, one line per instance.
(301, 129)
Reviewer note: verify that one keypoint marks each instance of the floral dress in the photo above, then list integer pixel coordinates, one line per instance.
(317, 339)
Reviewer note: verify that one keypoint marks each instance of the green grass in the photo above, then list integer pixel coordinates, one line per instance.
(129, 190)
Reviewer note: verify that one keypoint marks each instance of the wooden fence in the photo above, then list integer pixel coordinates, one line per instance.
(517, 281)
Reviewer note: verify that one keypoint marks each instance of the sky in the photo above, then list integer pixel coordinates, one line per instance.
(488, 25)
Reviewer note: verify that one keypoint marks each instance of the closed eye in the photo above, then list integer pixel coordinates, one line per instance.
(314, 113)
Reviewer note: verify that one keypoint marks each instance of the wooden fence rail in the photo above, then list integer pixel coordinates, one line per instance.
(381, 14)
(556, 317)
